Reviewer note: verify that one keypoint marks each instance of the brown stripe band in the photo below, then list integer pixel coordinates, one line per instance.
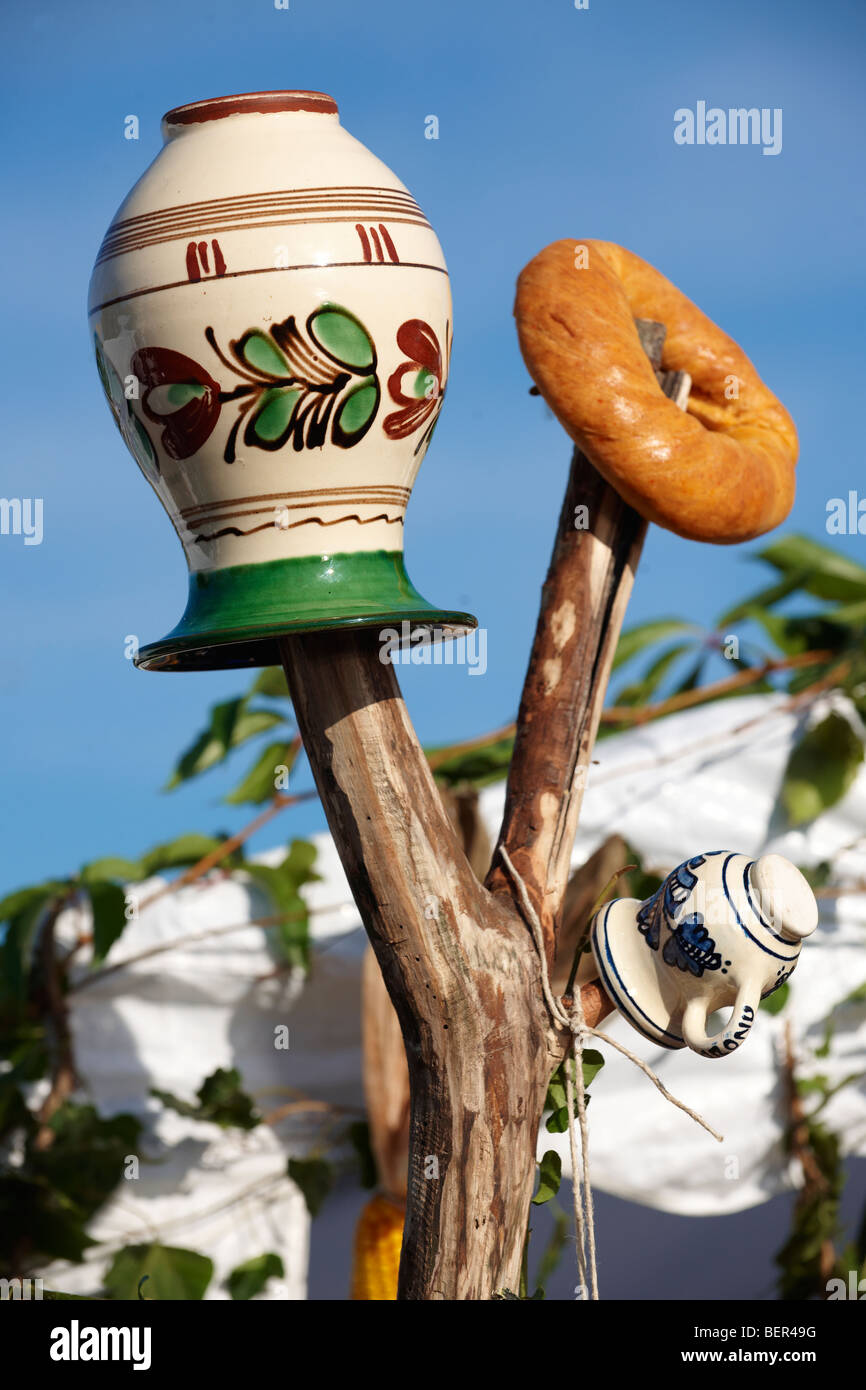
(362, 192)
(159, 239)
(263, 270)
(367, 206)
(333, 191)
(353, 494)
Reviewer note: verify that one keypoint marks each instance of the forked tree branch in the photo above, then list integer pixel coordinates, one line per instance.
(458, 960)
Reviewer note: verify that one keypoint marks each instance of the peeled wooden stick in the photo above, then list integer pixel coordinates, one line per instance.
(598, 544)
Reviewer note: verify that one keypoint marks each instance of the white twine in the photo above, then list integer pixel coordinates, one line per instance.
(575, 1021)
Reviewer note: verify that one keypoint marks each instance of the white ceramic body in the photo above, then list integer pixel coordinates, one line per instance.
(255, 230)
(723, 931)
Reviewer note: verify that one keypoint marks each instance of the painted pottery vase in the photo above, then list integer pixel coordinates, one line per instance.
(271, 315)
(723, 931)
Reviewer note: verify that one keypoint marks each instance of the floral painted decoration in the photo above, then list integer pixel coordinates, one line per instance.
(418, 384)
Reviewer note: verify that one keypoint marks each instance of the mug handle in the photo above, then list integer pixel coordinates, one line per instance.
(732, 1034)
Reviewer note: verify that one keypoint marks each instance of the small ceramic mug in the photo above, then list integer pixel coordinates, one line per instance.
(722, 931)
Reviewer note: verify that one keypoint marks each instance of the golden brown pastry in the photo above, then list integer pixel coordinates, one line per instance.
(723, 471)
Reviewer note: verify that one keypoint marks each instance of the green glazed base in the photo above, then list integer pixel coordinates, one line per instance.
(234, 616)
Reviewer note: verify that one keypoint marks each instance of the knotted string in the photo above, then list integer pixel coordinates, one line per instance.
(575, 1021)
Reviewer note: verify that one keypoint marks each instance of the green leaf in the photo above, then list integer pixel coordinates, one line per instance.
(812, 1085)
(775, 1002)
(635, 639)
(86, 1160)
(15, 903)
(693, 677)
(552, 1253)
(173, 1275)
(249, 1278)
(108, 903)
(271, 681)
(282, 884)
(231, 724)
(831, 575)
(315, 1178)
(260, 782)
(480, 766)
(829, 1029)
(56, 1296)
(817, 875)
(113, 867)
(549, 1177)
(592, 1064)
(821, 768)
(857, 996)
(221, 1101)
(16, 946)
(557, 1122)
(851, 614)
(359, 1137)
(640, 691)
(764, 598)
(14, 1113)
(179, 853)
(32, 1212)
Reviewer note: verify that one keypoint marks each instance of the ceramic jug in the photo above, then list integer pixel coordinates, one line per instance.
(722, 931)
(271, 316)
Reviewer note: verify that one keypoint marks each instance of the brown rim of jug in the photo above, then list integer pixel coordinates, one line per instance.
(249, 103)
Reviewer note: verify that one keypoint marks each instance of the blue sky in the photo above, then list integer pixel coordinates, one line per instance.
(552, 122)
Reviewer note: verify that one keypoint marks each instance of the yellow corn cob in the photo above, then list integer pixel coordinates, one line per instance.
(378, 1238)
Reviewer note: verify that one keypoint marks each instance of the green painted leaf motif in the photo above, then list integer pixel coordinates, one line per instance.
(422, 384)
(173, 395)
(273, 419)
(111, 383)
(260, 352)
(341, 334)
(356, 412)
(142, 450)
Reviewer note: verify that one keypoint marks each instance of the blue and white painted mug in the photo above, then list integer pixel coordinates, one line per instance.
(722, 931)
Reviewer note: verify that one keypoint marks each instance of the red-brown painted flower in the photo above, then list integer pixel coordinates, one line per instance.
(179, 395)
(417, 385)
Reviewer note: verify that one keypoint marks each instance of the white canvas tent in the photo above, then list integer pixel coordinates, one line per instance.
(210, 997)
